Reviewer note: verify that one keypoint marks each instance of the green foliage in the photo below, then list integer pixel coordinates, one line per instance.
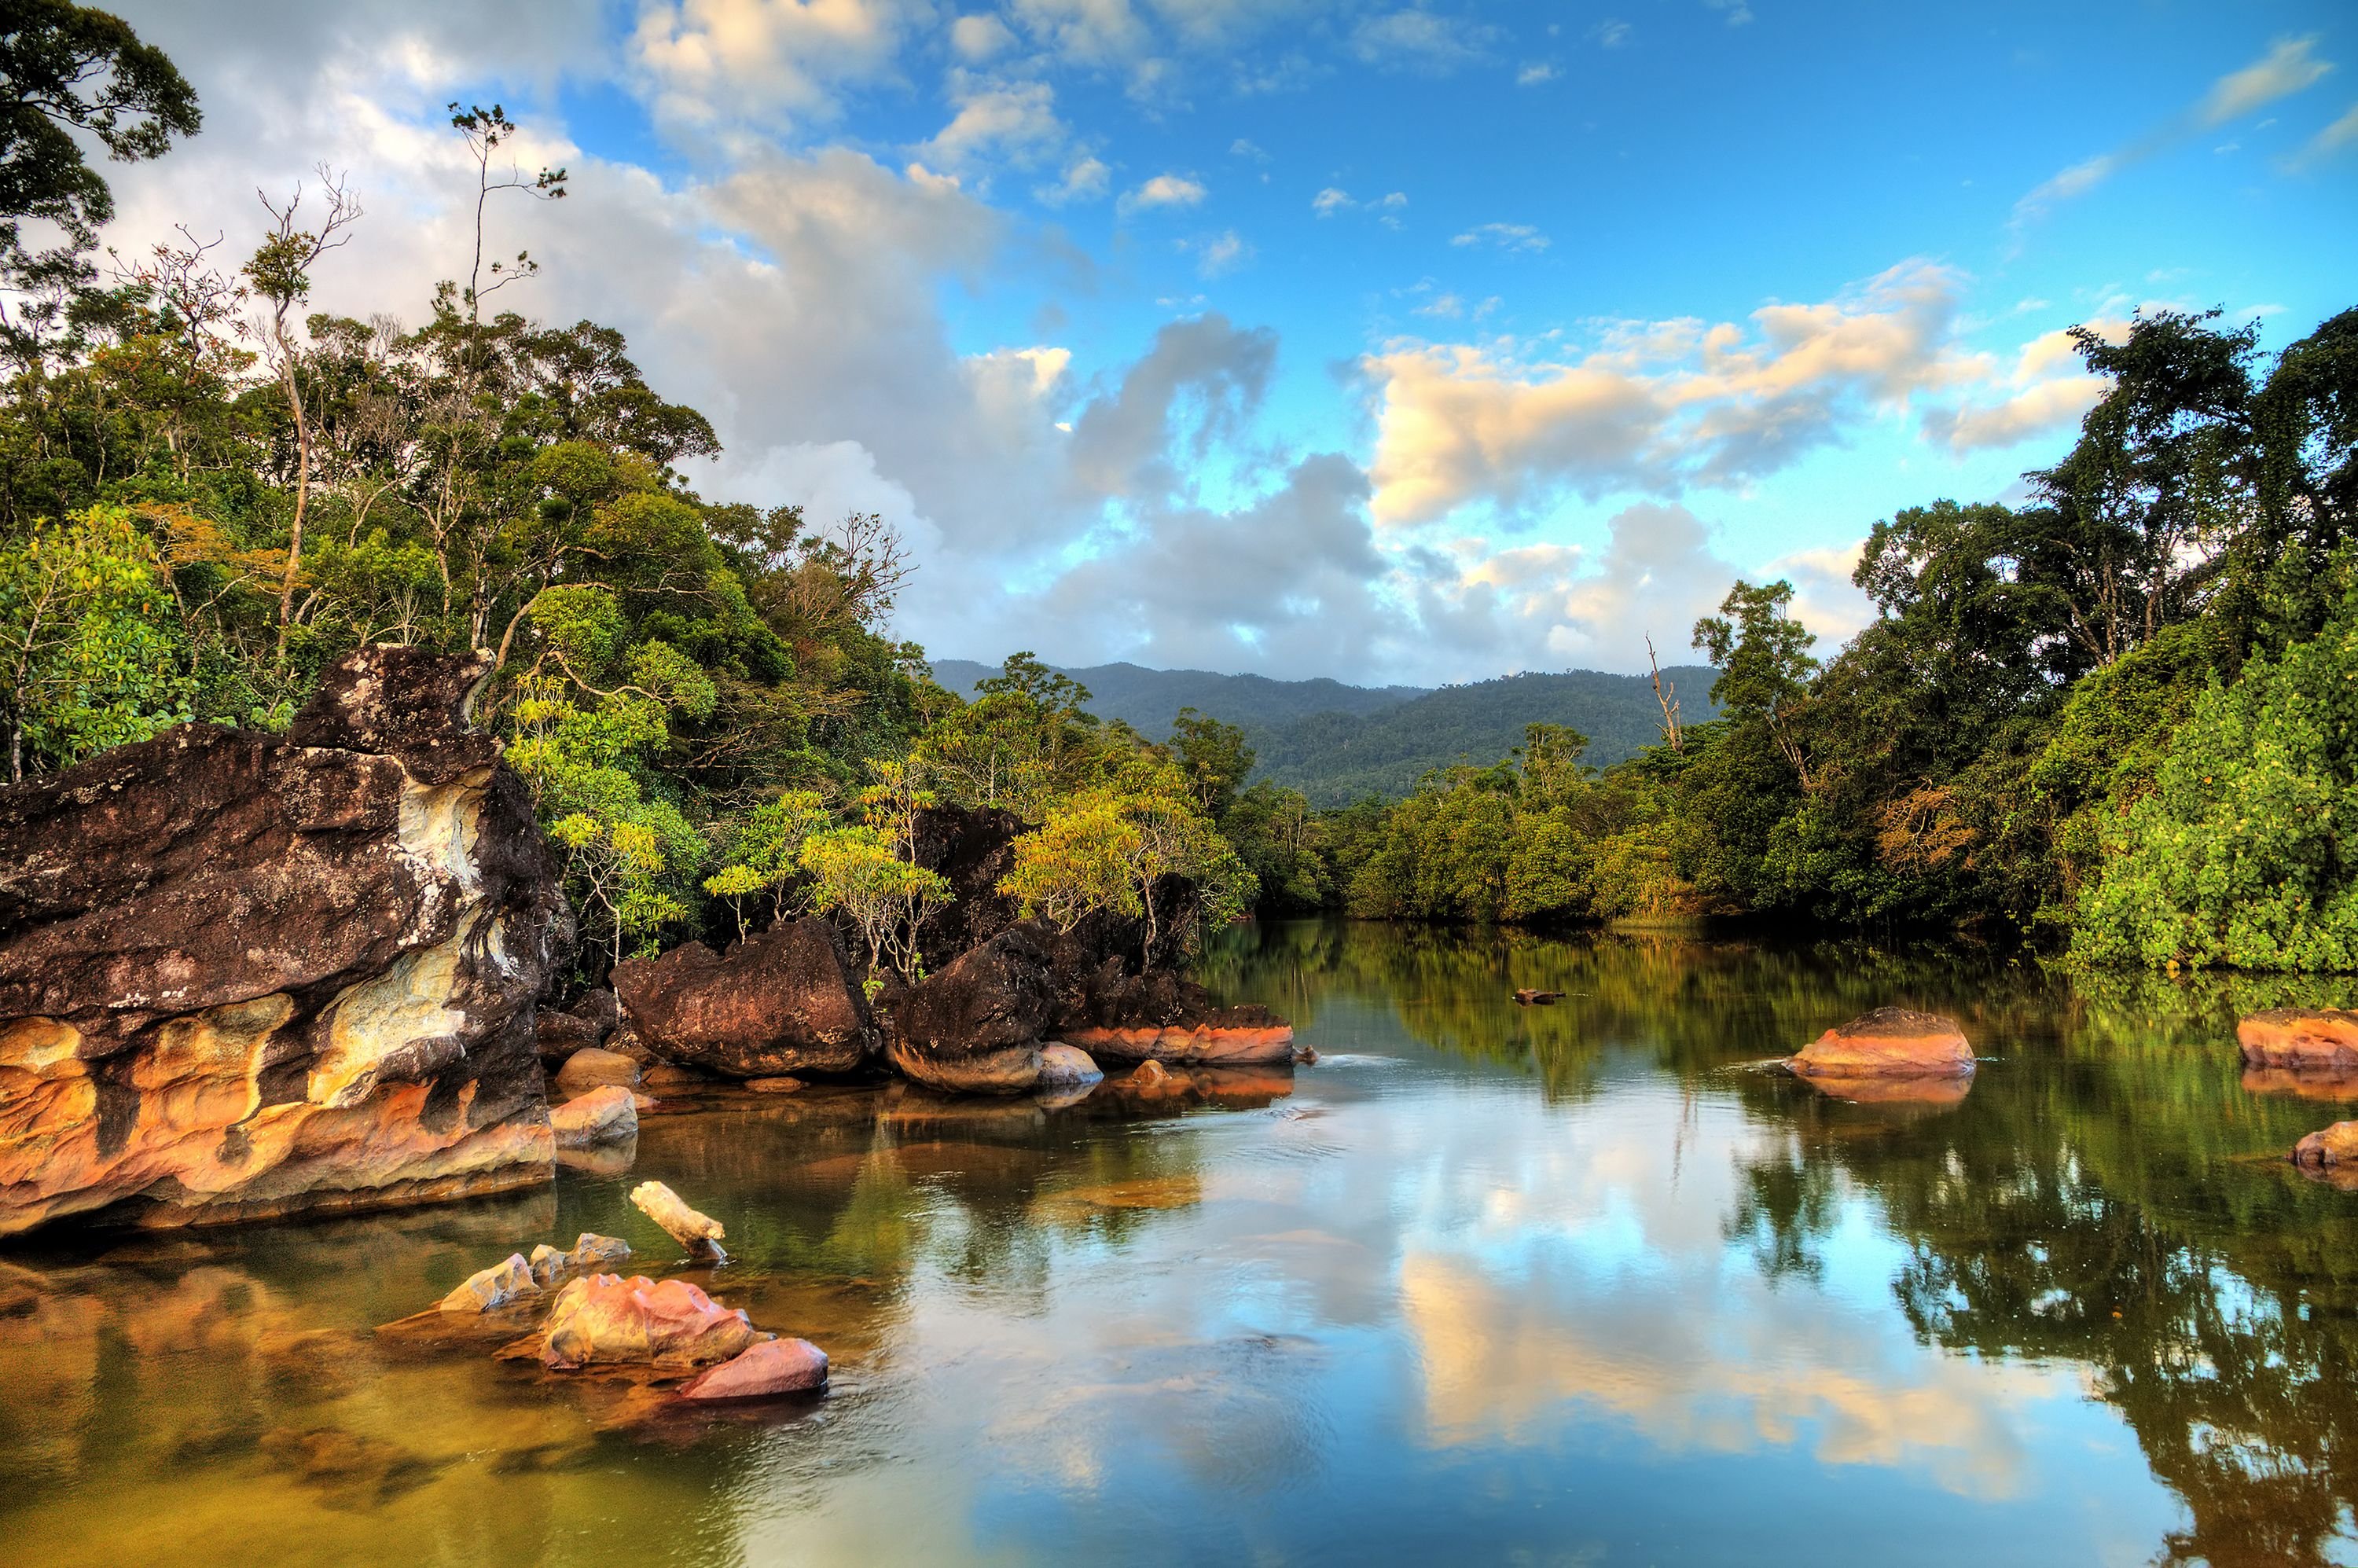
(2240, 853)
(857, 871)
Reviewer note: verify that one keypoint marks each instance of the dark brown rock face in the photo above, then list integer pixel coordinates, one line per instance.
(779, 1003)
(242, 974)
(971, 850)
(975, 1026)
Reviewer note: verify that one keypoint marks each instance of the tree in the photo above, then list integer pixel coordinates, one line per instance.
(1077, 861)
(1765, 665)
(855, 873)
(1215, 757)
(766, 856)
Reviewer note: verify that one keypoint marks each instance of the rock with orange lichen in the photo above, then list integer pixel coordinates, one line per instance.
(245, 974)
(2301, 1040)
(607, 1319)
(1890, 1042)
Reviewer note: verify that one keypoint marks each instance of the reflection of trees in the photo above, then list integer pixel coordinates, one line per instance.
(2108, 1193)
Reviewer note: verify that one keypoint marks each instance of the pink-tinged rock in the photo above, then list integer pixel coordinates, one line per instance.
(606, 1115)
(1890, 1042)
(1210, 1045)
(606, 1319)
(2305, 1039)
(777, 1367)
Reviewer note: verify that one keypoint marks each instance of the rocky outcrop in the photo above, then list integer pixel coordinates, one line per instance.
(1890, 1042)
(2301, 1040)
(781, 1002)
(502, 1284)
(605, 1318)
(1219, 1037)
(243, 974)
(972, 848)
(596, 1068)
(772, 1368)
(607, 1115)
(1067, 1066)
(589, 1251)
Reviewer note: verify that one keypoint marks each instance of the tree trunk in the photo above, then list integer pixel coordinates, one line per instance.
(302, 499)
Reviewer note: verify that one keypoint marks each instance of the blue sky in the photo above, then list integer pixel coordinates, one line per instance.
(1387, 342)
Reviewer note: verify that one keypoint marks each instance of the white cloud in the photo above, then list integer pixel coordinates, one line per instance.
(2049, 392)
(1655, 405)
(764, 60)
(1086, 180)
(2287, 67)
(1738, 11)
(1611, 32)
(1244, 148)
(1163, 190)
(980, 38)
(2342, 133)
(1504, 236)
(1329, 201)
(1221, 254)
(1417, 39)
(1535, 74)
(1013, 121)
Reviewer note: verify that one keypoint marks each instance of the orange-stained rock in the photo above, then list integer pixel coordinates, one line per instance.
(1211, 1045)
(773, 1086)
(1003, 1070)
(774, 1367)
(1890, 1042)
(596, 1068)
(605, 1318)
(1893, 1088)
(549, 1266)
(2328, 1146)
(2305, 1039)
(1150, 1075)
(782, 1001)
(243, 975)
(603, 1116)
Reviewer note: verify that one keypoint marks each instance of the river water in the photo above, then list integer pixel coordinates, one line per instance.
(1574, 1284)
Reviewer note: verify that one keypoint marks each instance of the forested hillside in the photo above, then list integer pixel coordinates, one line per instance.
(1148, 700)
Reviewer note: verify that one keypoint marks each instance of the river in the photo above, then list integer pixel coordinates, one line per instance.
(1488, 1283)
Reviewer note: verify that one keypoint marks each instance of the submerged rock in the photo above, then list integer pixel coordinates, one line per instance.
(603, 1116)
(2304, 1040)
(771, 1368)
(608, 1319)
(1893, 1088)
(1151, 1074)
(699, 1233)
(245, 974)
(780, 1002)
(2329, 1147)
(497, 1286)
(774, 1085)
(1890, 1042)
(589, 1251)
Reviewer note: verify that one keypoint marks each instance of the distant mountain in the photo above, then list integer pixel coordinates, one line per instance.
(1147, 700)
(1337, 758)
(1336, 744)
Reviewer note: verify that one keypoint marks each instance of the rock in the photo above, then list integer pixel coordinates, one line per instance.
(1527, 998)
(671, 1076)
(773, 1086)
(589, 1249)
(558, 1035)
(245, 975)
(1888, 1041)
(596, 1068)
(974, 1027)
(772, 1367)
(2305, 1040)
(599, 1008)
(1151, 1075)
(2334, 1145)
(1225, 1037)
(782, 1001)
(494, 1287)
(640, 1104)
(1065, 1066)
(700, 1234)
(601, 1159)
(972, 849)
(606, 1319)
(626, 1042)
(603, 1116)
(1305, 1055)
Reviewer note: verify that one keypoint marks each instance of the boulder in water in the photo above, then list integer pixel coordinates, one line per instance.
(596, 1068)
(1890, 1042)
(974, 1027)
(607, 1319)
(1067, 1066)
(589, 1251)
(2329, 1147)
(497, 1286)
(780, 1002)
(772, 1367)
(608, 1115)
(2301, 1040)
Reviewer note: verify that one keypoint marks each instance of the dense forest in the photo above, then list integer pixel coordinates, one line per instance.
(2119, 720)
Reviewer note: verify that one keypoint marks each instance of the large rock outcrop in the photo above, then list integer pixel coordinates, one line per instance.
(975, 1027)
(778, 1003)
(243, 974)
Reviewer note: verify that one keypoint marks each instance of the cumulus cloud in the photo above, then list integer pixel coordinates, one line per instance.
(979, 38)
(1086, 180)
(1162, 190)
(2048, 391)
(1221, 254)
(1015, 122)
(1418, 40)
(1655, 405)
(764, 60)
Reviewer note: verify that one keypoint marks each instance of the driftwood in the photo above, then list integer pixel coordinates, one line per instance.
(699, 1233)
(1527, 997)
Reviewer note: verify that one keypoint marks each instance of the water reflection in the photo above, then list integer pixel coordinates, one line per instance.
(1489, 1282)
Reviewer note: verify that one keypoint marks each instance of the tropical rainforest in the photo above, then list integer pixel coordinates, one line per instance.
(2118, 722)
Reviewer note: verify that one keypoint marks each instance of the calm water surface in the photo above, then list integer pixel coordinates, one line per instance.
(1571, 1284)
